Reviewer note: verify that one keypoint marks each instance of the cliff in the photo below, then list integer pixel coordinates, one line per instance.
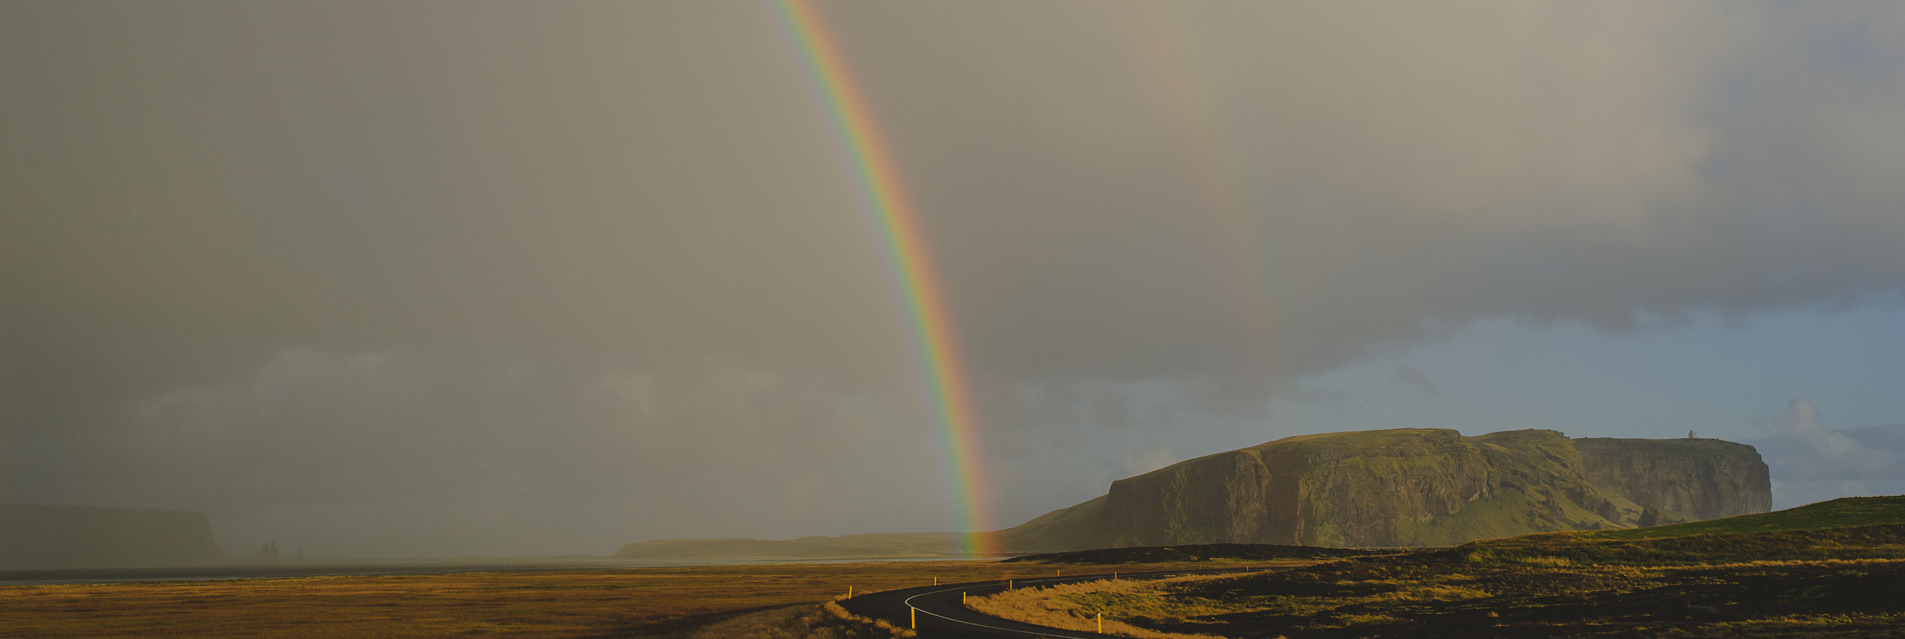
(1408, 487)
(1685, 479)
(40, 537)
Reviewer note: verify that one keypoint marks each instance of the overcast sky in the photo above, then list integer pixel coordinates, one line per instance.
(500, 278)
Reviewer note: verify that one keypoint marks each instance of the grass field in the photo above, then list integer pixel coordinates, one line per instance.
(1847, 512)
(646, 602)
(1828, 570)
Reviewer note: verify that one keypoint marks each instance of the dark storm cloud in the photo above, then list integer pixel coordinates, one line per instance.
(495, 264)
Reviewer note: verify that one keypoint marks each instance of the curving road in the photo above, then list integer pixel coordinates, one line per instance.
(943, 615)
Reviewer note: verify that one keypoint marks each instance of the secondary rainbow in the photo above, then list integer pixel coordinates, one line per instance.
(1166, 31)
(909, 254)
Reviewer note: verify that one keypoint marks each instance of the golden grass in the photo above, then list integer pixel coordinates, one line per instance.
(646, 602)
(1078, 606)
(825, 621)
(1784, 598)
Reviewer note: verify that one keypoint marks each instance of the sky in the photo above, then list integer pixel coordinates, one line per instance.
(494, 278)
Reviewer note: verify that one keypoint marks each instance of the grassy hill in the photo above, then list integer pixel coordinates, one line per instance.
(1850, 528)
(1234, 553)
(1845, 512)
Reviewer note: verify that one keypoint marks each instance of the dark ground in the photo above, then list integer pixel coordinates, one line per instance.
(1199, 552)
(1408, 597)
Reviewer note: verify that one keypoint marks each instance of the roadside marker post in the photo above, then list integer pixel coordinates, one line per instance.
(914, 613)
(849, 592)
(1101, 623)
(1008, 584)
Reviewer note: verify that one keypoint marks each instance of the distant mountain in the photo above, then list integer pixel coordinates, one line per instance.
(870, 546)
(1410, 487)
(1382, 488)
(45, 536)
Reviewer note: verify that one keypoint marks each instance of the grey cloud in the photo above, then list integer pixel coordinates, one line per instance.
(1111, 408)
(493, 253)
(1408, 376)
(1334, 399)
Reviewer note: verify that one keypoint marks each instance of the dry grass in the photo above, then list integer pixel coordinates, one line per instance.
(1410, 596)
(825, 621)
(1077, 606)
(645, 602)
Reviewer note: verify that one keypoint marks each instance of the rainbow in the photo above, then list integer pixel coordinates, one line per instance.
(1165, 30)
(907, 250)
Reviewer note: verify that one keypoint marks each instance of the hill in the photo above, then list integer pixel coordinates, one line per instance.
(1410, 487)
(1845, 512)
(1235, 553)
(51, 537)
(870, 546)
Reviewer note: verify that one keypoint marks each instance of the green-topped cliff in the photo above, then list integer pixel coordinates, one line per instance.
(1410, 487)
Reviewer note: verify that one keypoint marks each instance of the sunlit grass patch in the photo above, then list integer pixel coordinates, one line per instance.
(652, 603)
(1077, 606)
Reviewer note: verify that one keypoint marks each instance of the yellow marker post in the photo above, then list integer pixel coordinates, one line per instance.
(1101, 623)
(935, 581)
(1008, 584)
(1061, 572)
(914, 613)
(962, 599)
(849, 592)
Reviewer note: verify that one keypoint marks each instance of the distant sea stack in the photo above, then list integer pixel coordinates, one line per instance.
(1411, 487)
(41, 537)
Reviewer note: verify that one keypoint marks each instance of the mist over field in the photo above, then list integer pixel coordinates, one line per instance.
(489, 278)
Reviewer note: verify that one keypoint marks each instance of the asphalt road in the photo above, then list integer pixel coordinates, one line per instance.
(943, 615)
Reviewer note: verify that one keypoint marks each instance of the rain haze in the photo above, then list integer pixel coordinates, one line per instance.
(489, 278)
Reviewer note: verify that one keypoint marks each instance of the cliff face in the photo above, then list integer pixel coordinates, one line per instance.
(1685, 479)
(38, 537)
(1405, 487)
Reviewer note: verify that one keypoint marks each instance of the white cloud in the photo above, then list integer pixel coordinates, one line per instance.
(1825, 453)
